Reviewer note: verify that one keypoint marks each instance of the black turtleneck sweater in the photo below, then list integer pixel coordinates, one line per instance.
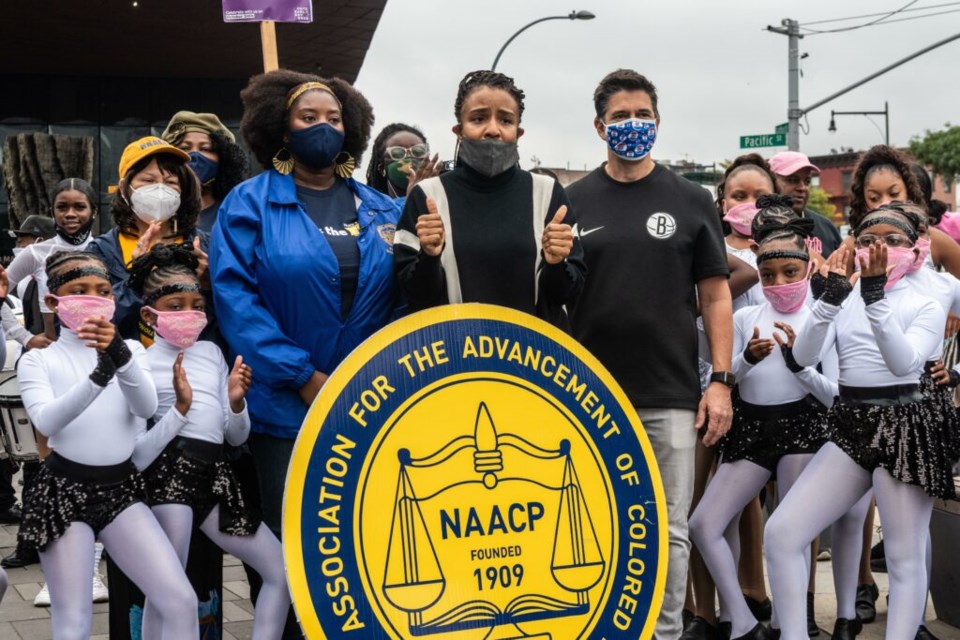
(493, 240)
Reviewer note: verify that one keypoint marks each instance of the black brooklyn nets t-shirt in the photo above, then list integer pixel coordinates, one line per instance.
(646, 244)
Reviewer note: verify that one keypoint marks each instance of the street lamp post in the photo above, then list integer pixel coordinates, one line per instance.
(573, 15)
(885, 113)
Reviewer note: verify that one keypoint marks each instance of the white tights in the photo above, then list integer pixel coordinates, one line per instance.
(829, 487)
(714, 527)
(138, 546)
(261, 551)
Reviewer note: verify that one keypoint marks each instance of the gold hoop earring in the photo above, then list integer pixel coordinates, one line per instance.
(284, 166)
(344, 164)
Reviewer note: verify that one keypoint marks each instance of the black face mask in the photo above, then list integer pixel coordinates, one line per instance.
(80, 236)
(489, 157)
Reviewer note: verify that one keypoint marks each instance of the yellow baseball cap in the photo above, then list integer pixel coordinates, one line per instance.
(146, 147)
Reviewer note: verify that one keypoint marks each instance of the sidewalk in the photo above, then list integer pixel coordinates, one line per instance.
(20, 620)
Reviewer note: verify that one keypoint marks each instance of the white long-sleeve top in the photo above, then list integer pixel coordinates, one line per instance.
(85, 422)
(770, 382)
(32, 262)
(210, 417)
(884, 344)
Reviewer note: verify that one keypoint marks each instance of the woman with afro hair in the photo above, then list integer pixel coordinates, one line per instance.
(215, 157)
(301, 256)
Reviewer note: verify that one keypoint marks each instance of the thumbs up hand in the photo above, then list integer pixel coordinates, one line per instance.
(430, 230)
(557, 238)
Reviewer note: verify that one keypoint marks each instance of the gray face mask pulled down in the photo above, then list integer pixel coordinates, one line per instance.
(489, 157)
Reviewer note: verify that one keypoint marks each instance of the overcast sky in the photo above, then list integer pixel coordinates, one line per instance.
(719, 73)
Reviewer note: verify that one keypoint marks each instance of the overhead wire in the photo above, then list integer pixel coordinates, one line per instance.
(884, 13)
(882, 18)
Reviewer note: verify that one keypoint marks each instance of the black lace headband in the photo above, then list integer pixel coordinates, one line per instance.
(908, 229)
(64, 277)
(167, 289)
(778, 254)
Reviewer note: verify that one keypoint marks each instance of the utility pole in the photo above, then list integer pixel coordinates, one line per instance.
(791, 29)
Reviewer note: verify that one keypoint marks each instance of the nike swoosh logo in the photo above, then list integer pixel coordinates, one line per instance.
(586, 232)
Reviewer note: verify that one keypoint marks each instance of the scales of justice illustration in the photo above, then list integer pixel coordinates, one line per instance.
(556, 587)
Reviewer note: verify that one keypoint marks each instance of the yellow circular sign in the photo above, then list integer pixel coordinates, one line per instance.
(471, 472)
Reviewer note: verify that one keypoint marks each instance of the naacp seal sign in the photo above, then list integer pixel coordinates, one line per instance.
(471, 472)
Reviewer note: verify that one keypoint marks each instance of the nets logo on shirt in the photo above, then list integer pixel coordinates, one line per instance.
(471, 472)
(661, 225)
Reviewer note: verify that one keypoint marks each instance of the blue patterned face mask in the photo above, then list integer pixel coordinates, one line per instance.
(632, 139)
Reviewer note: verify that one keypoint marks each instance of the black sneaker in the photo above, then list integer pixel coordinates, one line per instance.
(11, 515)
(924, 634)
(867, 595)
(760, 610)
(700, 629)
(20, 558)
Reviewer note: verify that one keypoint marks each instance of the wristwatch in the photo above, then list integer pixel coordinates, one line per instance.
(724, 377)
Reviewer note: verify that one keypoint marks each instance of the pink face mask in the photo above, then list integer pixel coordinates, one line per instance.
(923, 244)
(787, 298)
(74, 310)
(181, 328)
(900, 258)
(741, 216)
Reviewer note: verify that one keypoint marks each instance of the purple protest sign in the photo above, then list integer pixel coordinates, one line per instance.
(261, 10)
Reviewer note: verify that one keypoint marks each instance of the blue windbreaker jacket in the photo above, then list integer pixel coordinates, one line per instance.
(276, 286)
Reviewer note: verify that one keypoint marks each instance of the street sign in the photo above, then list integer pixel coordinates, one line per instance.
(763, 140)
(782, 128)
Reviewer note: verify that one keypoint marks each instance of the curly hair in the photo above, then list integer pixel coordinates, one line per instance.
(186, 217)
(875, 159)
(233, 166)
(746, 162)
(935, 208)
(376, 173)
(265, 121)
(476, 79)
(622, 80)
(158, 266)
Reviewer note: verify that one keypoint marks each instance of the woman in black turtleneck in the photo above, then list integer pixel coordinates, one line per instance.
(488, 231)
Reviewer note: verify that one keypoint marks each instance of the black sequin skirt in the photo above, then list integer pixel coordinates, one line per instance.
(764, 434)
(194, 473)
(64, 492)
(917, 442)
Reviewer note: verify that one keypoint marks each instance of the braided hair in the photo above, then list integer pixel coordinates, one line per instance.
(164, 262)
(777, 220)
(746, 162)
(476, 79)
(60, 262)
(880, 158)
(376, 175)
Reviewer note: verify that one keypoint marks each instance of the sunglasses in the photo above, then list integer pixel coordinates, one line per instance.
(417, 152)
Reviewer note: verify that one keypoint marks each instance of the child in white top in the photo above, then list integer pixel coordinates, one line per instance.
(200, 407)
(882, 430)
(90, 393)
(778, 411)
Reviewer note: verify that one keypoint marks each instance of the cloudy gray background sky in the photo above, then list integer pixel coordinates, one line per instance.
(719, 73)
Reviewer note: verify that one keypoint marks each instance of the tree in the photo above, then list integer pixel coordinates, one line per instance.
(820, 202)
(941, 151)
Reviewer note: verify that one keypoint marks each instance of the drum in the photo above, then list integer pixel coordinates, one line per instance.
(19, 440)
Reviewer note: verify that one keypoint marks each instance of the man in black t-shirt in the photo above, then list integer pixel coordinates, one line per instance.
(654, 249)
(794, 173)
